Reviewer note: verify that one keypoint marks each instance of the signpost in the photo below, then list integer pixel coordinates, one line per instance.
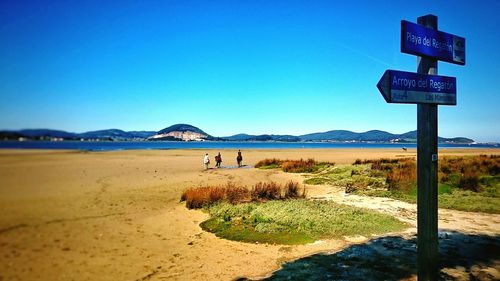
(417, 39)
(426, 89)
(408, 87)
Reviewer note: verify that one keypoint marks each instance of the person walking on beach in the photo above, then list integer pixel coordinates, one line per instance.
(218, 160)
(206, 161)
(239, 158)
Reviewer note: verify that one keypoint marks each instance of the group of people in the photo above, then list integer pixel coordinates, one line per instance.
(218, 160)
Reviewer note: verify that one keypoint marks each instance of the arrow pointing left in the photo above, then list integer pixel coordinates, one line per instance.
(384, 86)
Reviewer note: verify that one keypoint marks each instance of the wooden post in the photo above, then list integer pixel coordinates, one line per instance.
(427, 136)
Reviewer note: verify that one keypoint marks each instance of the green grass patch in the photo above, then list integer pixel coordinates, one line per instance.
(353, 177)
(239, 231)
(469, 183)
(394, 194)
(470, 201)
(317, 180)
(270, 166)
(449, 198)
(295, 221)
(491, 185)
(294, 166)
(443, 188)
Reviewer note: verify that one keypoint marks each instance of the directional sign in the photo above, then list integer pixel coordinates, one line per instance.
(419, 40)
(408, 87)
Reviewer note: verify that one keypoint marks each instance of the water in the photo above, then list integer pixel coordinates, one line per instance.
(126, 145)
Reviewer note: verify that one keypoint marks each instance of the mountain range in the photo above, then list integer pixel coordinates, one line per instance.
(186, 132)
(47, 134)
(345, 136)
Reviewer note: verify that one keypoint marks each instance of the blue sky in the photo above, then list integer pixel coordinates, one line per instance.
(281, 67)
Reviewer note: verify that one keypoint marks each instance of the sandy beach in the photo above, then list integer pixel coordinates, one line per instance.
(72, 215)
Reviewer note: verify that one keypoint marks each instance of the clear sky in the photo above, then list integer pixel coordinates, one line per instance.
(227, 67)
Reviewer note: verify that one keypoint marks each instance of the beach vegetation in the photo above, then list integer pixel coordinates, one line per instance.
(205, 196)
(295, 221)
(468, 183)
(268, 163)
(294, 166)
(352, 177)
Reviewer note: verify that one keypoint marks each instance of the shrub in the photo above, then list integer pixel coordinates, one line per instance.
(299, 166)
(292, 190)
(205, 196)
(402, 176)
(268, 163)
(236, 194)
(445, 169)
(216, 194)
(201, 196)
(294, 166)
(469, 181)
(494, 169)
(267, 191)
(184, 195)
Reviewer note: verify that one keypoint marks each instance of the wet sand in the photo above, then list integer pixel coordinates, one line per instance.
(71, 215)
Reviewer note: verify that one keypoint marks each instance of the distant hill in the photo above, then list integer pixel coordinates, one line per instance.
(343, 135)
(103, 134)
(183, 132)
(246, 137)
(411, 137)
(47, 133)
(116, 134)
(374, 136)
(182, 128)
(238, 137)
(141, 134)
(186, 132)
(10, 135)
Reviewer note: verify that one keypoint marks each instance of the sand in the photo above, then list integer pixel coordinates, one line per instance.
(71, 215)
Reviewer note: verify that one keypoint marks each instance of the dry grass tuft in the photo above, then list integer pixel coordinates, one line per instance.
(269, 163)
(294, 166)
(299, 166)
(292, 190)
(199, 197)
(462, 172)
(402, 176)
(236, 194)
(266, 191)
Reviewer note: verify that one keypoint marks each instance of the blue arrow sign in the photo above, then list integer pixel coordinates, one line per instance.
(408, 87)
(419, 40)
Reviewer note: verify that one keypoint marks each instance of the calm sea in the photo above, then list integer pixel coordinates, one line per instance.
(125, 145)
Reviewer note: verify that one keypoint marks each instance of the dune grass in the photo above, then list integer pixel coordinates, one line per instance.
(470, 183)
(205, 196)
(295, 221)
(294, 166)
(352, 177)
(455, 199)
